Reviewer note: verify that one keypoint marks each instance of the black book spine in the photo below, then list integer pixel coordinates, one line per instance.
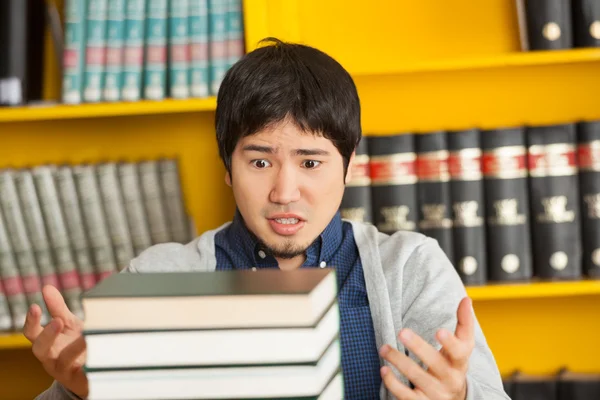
(356, 202)
(549, 25)
(468, 218)
(586, 23)
(13, 51)
(393, 182)
(434, 189)
(589, 189)
(554, 197)
(504, 166)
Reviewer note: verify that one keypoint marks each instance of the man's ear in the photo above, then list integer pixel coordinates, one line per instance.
(228, 178)
(350, 166)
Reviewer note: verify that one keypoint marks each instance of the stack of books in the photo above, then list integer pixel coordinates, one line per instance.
(214, 335)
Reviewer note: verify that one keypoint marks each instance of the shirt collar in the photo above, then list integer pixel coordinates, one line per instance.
(319, 252)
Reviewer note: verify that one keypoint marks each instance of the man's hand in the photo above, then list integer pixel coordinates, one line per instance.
(59, 346)
(446, 374)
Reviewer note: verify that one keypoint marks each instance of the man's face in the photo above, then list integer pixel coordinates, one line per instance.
(287, 185)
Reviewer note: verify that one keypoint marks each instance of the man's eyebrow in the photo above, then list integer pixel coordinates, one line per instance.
(311, 152)
(260, 149)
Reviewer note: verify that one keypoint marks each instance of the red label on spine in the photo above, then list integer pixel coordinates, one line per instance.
(552, 160)
(505, 163)
(589, 156)
(393, 169)
(433, 166)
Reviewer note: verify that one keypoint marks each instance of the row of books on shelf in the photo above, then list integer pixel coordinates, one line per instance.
(121, 50)
(507, 204)
(71, 226)
(558, 24)
(229, 335)
(565, 385)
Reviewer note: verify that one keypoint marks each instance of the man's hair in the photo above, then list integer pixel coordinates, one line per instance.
(293, 81)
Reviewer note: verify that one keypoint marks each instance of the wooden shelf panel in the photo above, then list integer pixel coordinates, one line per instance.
(64, 111)
(13, 341)
(534, 290)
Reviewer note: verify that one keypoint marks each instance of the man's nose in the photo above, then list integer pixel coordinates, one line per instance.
(285, 187)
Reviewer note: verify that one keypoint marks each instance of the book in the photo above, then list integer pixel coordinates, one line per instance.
(199, 58)
(586, 23)
(356, 202)
(115, 32)
(548, 24)
(133, 57)
(13, 52)
(154, 201)
(155, 62)
(588, 149)
(134, 206)
(210, 300)
(95, 59)
(554, 197)
(175, 211)
(468, 206)
(578, 386)
(534, 387)
(506, 193)
(74, 51)
(218, 39)
(179, 59)
(434, 190)
(393, 182)
(235, 32)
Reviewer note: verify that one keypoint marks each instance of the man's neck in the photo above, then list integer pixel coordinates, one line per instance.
(290, 264)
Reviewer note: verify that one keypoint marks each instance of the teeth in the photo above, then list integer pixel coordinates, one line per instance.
(286, 221)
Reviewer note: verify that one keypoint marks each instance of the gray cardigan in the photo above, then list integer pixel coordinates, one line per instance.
(410, 284)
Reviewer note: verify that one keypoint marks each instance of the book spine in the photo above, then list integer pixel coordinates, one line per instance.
(154, 202)
(78, 238)
(217, 16)
(504, 166)
(155, 68)
(434, 189)
(586, 23)
(393, 182)
(179, 59)
(549, 25)
(133, 57)
(95, 220)
(174, 202)
(588, 136)
(11, 279)
(74, 51)
(134, 207)
(6, 323)
(34, 223)
(23, 250)
(116, 218)
(356, 202)
(468, 218)
(235, 32)
(95, 51)
(13, 52)
(554, 197)
(198, 25)
(58, 237)
(115, 28)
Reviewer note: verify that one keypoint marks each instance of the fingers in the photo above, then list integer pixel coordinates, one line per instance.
(466, 323)
(57, 306)
(437, 364)
(397, 388)
(42, 346)
(32, 327)
(412, 371)
(67, 361)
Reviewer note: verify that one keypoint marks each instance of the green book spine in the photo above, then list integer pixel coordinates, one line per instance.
(178, 49)
(95, 50)
(133, 57)
(235, 32)
(198, 30)
(217, 15)
(74, 51)
(155, 69)
(113, 78)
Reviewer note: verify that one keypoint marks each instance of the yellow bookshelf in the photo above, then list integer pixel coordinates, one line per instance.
(418, 66)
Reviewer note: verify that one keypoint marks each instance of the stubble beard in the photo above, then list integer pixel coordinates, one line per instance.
(286, 250)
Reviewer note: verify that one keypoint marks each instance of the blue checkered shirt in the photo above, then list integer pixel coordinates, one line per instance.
(237, 247)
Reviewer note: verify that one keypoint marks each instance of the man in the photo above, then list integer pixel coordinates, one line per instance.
(287, 122)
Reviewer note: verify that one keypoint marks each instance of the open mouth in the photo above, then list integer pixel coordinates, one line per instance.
(286, 225)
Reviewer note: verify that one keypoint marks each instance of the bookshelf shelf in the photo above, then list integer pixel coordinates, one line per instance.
(63, 112)
(534, 290)
(13, 341)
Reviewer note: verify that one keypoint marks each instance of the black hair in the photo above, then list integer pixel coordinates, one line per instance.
(287, 80)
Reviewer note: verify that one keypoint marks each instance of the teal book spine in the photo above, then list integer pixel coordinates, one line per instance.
(217, 15)
(155, 68)
(74, 51)
(179, 49)
(95, 50)
(235, 32)
(199, 76)
(133, 55)
(113, 77)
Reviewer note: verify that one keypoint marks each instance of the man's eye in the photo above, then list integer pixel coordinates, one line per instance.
(261, 164)
(310, 164)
